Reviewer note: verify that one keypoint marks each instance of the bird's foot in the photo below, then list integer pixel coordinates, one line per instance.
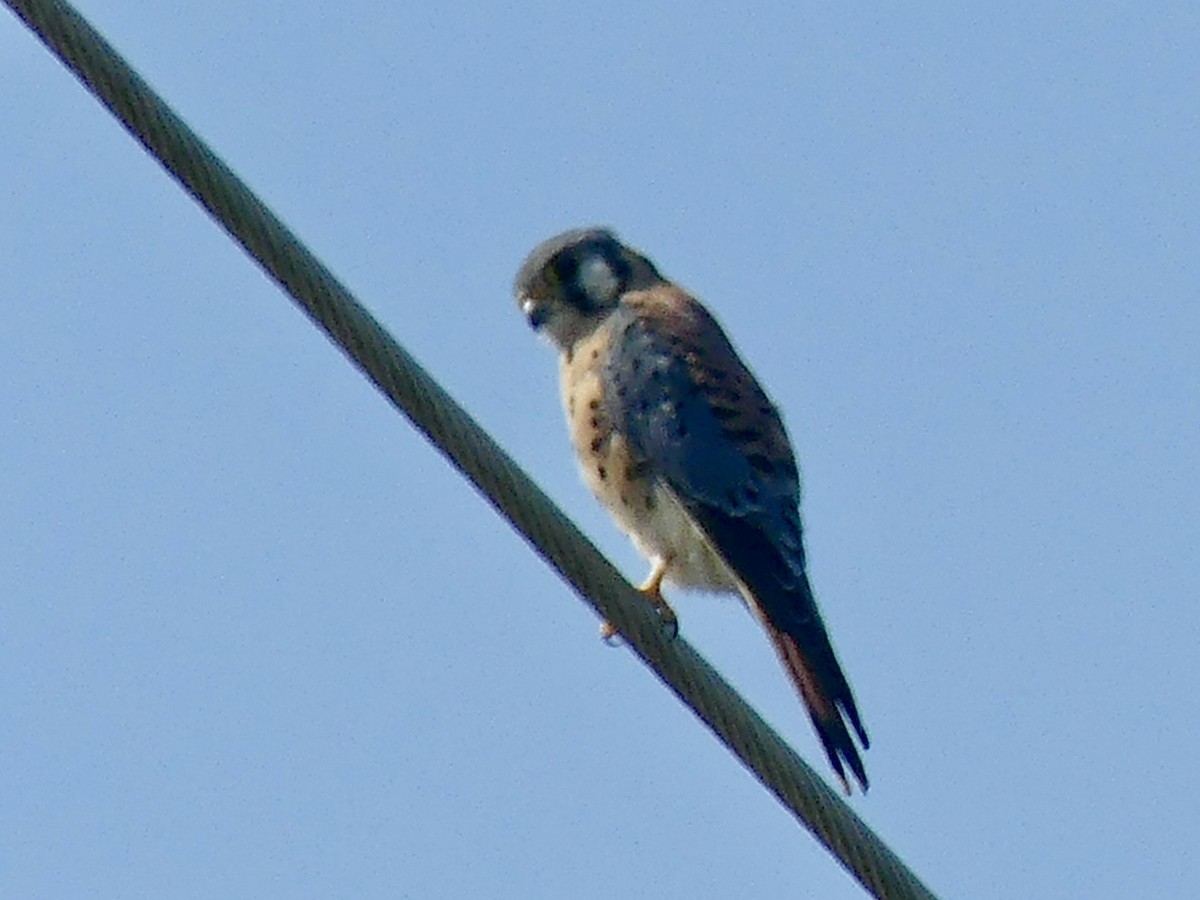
(666, 615)
(652, 591)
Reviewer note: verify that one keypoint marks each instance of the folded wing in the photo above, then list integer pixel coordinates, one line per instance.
(692, 410)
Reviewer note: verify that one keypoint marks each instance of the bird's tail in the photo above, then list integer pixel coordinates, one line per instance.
(806, 652)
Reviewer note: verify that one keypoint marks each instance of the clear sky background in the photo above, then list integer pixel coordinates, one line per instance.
(257, 639)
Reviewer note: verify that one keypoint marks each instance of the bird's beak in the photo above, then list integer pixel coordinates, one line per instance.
(534, 312)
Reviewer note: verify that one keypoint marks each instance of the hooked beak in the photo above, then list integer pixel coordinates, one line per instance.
(534, 313)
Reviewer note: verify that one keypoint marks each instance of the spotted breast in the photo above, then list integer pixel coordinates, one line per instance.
(627, 486)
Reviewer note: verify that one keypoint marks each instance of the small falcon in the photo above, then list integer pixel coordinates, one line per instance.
(681, 444)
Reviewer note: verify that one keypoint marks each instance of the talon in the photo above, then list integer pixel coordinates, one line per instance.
(670, 621)
(652, 590)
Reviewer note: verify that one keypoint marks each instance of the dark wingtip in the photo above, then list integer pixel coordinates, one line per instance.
(829, 706)
(845, 750)
(851, 712)
(860, 771)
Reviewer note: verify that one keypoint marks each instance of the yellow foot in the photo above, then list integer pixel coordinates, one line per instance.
(652, 591)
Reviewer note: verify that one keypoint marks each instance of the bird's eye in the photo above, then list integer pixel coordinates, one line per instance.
(562, 269)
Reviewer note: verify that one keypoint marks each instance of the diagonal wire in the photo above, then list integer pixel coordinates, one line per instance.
(401, 379)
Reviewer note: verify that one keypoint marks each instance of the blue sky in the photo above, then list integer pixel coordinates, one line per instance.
(258, 639)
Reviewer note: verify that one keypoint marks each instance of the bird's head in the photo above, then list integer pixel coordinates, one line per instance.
(570, 282)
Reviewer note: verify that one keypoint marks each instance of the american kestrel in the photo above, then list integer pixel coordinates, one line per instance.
(681, 444)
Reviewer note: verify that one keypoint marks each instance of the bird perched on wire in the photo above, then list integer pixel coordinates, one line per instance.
(681, 444)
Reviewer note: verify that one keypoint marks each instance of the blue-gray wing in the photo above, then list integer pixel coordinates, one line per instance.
(691, 409)
(698, 419)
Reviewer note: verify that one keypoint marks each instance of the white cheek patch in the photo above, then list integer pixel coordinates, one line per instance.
(598, 281)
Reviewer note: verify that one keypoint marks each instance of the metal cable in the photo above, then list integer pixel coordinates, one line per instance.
(314, 288)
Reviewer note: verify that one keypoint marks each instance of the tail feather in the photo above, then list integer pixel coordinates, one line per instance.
(826, 694)
(770, 575)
